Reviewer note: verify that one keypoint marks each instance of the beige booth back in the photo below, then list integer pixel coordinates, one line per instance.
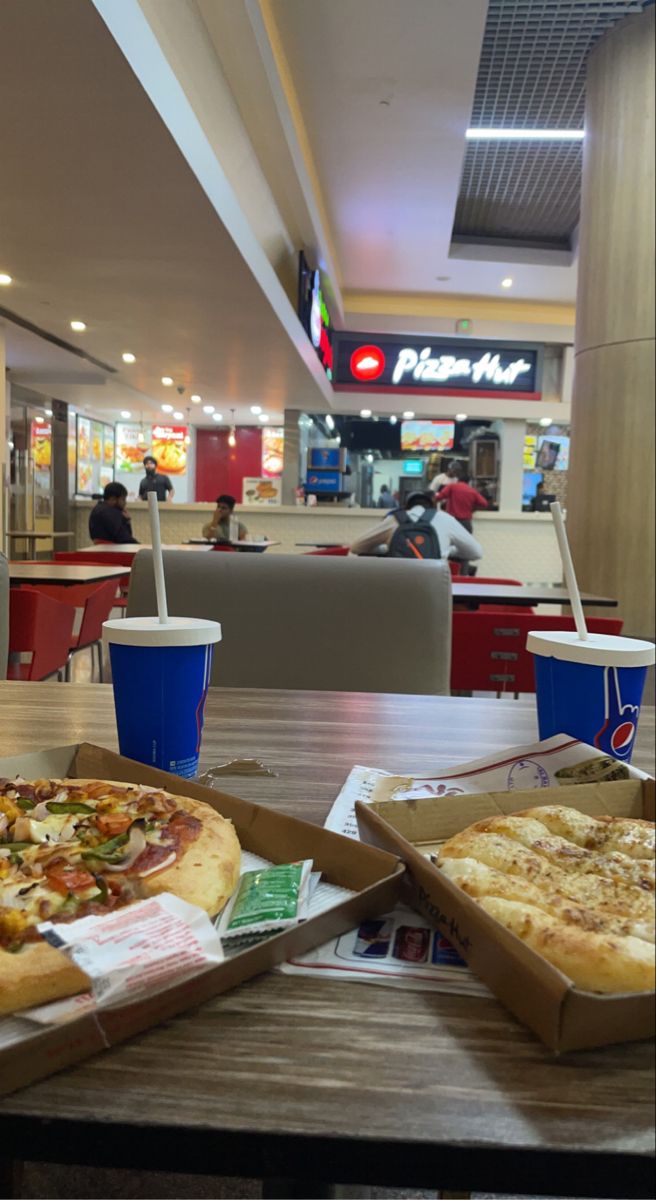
(4, 615)
(312, 622)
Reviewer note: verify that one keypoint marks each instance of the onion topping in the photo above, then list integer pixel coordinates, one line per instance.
(135, 846)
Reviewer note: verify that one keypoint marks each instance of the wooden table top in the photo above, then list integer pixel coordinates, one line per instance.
(135, 547)
(342, 1081)
(526, 594)
(63, 573)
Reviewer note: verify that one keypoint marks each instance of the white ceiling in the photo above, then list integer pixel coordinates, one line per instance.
(386, 88)
(103, 220)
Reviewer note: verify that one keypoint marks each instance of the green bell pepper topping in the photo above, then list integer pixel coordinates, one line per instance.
(108, 851)
(103, 890)
(68, 806)
(25, 803)
(15, 846)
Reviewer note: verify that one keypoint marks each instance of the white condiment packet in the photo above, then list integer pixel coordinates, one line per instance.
(139, 948)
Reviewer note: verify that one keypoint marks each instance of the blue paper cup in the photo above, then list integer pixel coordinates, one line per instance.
(590, 689)
(161, 674)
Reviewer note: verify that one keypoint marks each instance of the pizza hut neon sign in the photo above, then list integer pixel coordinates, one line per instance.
(438, 365)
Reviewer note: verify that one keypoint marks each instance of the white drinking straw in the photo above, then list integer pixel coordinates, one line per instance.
(568, 568)
(158, 561)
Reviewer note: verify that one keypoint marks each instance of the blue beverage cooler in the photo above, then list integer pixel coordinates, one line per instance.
(326, 473)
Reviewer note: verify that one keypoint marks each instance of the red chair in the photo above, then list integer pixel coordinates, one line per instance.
(341, 551)
(96, 602)
(225, 549)
(41, 627)
(488, 651)
(454, 568)
(118, 559)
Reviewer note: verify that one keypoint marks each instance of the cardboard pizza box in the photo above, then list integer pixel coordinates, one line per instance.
(375, 877)
(539, 995)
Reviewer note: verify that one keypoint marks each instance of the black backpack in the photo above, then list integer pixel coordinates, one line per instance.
(414, 539)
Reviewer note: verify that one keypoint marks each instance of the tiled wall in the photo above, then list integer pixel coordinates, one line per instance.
(522, 547)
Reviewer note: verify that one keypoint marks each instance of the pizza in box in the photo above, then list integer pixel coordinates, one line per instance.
(79, 847)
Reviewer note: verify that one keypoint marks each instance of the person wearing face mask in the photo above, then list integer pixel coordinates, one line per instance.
(154, 482)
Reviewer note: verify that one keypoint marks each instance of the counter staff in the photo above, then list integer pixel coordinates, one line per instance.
(154, 482)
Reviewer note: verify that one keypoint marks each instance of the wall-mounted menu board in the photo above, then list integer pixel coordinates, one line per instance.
(95, 456)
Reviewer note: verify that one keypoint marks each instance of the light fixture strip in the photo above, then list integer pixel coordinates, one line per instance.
(525, 135)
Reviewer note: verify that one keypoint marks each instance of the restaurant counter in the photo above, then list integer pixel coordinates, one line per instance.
(516, 545)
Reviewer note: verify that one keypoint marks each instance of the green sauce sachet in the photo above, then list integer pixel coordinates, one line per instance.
(268, 900)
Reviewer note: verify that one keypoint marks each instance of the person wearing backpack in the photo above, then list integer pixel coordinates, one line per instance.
(419, 532)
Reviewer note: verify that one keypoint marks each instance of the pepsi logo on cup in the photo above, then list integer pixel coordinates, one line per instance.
(618, 730)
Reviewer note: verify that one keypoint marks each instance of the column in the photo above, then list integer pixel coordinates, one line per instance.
(4, 435)
(291, 467)
(611, 478)
(511, 483)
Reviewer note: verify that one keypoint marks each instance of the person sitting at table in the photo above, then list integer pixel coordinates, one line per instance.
(224, 526)
(455, 542)
(108, 521)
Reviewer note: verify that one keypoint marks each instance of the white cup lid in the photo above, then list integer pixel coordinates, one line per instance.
(600, 650)
(147, 631)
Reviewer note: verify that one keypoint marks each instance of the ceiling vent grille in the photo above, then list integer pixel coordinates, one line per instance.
(531, 76)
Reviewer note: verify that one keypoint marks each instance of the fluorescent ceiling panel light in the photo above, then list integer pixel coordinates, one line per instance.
(525, 135)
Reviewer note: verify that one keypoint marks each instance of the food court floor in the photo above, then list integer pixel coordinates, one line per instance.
(50, 1182)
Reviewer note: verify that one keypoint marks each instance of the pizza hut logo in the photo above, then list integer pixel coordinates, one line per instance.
(367, 363)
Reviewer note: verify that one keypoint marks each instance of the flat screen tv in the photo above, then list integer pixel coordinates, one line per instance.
(371, 435)
(530, 485)
(427, 435)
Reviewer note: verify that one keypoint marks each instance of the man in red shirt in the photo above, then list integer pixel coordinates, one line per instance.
(461, 500)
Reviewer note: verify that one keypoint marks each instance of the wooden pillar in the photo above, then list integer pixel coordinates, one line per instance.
(610, 510)
(4, 437)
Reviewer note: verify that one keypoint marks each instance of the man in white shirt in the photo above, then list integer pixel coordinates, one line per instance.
(454, 539)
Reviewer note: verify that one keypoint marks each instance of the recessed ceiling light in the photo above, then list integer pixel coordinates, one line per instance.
(256, 409)
(365, 412)
(330, 421)
(167, 381)
(178, 416)
(126, 415)
(369, 458)
(208, 408)
(461, 416)
(78, 326)
(196, 399)
(5, 280)
(264, 417)
(393, 420)
(217, 416)
(407, 416)
(128, 358)
(167, 408)
(546, 421)
(48, 412)
(525, 135)
(39, 420)
(507, 282)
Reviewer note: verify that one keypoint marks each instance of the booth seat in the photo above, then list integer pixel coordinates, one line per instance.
(306, 622)
(4, 615)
